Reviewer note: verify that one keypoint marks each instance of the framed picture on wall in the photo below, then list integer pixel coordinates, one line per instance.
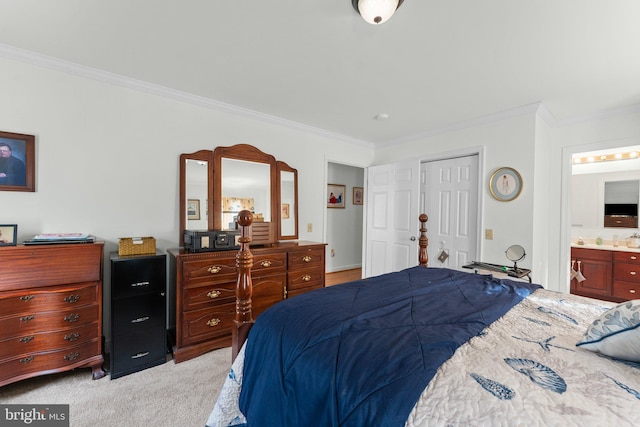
(335, 195)
(285, 211)
(193, 209)
(8, 234)
(358, 195)
(505, 184)
(17, 162)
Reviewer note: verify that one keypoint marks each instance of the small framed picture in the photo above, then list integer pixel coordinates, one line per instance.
(17, 162)
(335, 195)
(193, 209)
(8, 234)
(505, 184)
(358, 195)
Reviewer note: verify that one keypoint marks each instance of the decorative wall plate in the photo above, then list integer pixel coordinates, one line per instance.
(505, 184)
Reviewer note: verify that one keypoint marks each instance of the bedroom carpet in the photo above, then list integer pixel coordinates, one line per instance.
(168, 395)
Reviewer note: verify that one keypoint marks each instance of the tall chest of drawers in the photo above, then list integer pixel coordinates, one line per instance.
(626, 275)
(138, 313)
(50, 310)
(202, 290)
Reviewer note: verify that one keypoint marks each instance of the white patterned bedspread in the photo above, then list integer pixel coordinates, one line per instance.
(523, 370)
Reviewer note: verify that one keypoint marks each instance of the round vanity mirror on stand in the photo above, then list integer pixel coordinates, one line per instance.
(515, 253)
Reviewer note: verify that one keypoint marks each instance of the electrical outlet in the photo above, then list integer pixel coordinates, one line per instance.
(333, 253)
(309, 227)
(488, 234)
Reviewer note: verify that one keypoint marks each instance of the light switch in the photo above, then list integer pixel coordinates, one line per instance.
(309, 227)
(488, 234)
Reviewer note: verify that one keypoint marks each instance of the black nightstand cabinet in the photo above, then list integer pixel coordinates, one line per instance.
(138, 313)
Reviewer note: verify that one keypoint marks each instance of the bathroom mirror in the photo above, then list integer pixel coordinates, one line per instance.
(288, 191)
(195, 201)
(621, 203)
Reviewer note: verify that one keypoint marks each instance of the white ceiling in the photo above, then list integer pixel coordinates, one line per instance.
(318, 64)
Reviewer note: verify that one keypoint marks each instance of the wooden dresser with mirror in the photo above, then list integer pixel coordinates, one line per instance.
(214, 187)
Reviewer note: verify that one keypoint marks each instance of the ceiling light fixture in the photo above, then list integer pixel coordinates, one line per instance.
(376, 11)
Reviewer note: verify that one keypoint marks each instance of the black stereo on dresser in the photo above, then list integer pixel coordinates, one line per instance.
(138, 313)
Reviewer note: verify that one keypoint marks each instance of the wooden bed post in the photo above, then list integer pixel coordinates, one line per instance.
(244, 287)
(423, 257)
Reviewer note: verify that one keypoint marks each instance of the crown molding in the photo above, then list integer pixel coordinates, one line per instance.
(107, 77)
(478, 121)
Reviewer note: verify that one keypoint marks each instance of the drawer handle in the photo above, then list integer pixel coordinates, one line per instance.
(213, 294)
(72, 337)
(139, 355)
(215, 269)
(213, 322)
(633, 273)
(306, 277)
(72, 299)
(632, 291)
(306, 258)
(73, 317)
(139, 284)
(26, 339)
(27, 319)
(265, 264)
(633, 257)
(27, 298)
(140, 319)
(26, 359)
(72, 356)
(618, 221)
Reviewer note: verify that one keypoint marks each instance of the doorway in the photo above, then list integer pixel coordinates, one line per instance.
(344, 224)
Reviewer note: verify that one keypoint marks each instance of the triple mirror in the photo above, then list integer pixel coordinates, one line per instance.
(216, 185)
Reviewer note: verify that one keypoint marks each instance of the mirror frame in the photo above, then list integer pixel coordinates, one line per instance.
(283, 167)
(205, 156)
(248, 153)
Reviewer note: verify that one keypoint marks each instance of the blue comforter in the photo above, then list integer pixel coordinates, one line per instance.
(360, 354)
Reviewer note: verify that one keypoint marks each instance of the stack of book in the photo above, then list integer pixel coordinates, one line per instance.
(52, 238)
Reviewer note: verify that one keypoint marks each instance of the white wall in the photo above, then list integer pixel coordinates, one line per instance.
(506, 142)
(107, 157)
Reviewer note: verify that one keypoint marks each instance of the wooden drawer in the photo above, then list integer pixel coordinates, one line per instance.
(34, 322)
(135, 276)
(36, 266)
(594, 254)
(221, 270)
(43, 341)
(626, 290)
(223, 293)
(207, 323)
(49, 299)
(310, 277)
(626, 272)
(29, 365)
(301, 291)
(627, 257)
(305, 259)
(271, 287)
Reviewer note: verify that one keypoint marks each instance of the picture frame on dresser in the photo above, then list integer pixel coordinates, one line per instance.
(17, 162)
(8, 234)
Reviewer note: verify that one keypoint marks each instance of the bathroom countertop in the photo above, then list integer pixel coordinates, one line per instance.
(622, 248)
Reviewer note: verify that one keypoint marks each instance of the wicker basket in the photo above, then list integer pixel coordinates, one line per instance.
(137, 246)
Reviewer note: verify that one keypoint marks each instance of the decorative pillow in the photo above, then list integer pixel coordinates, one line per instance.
(616, 332)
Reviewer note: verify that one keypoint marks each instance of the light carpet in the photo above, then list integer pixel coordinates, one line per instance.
(169, 395)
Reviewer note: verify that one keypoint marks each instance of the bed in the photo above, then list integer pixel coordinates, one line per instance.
(431, 346)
